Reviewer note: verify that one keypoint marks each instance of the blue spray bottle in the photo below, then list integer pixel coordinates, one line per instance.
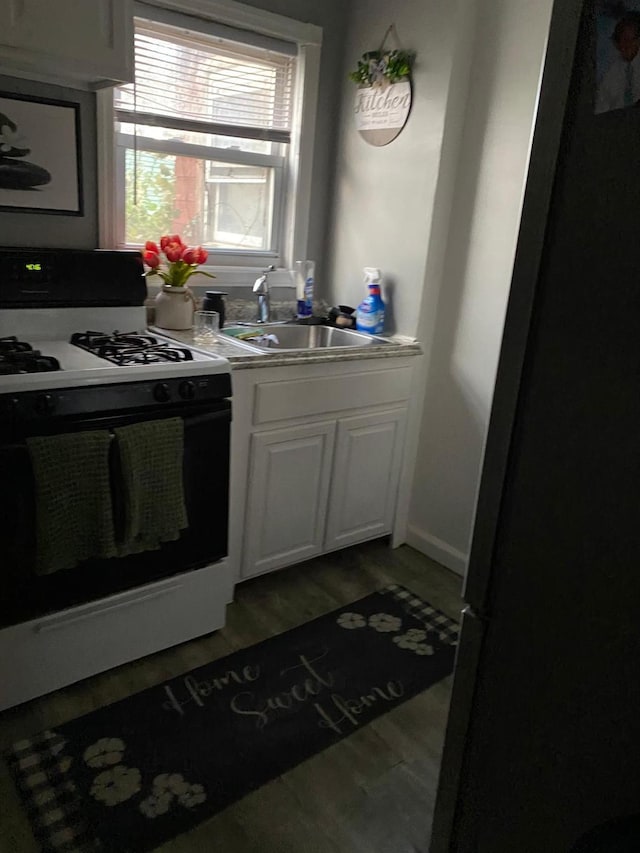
(370, 312)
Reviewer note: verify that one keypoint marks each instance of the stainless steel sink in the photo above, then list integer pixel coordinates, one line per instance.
(291, 337)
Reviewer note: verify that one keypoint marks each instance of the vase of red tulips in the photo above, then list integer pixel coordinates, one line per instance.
(174, 303)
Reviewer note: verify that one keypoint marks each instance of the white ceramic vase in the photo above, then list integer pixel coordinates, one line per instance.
(174, 308)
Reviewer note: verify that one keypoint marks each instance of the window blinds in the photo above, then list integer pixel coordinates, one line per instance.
(195, 81)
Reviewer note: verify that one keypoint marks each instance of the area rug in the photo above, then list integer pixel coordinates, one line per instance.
(134, 774)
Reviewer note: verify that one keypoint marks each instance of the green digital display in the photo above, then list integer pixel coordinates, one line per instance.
(33, 267)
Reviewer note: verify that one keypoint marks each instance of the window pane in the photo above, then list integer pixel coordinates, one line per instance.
(150, 196)
(238, 209)
(255, 146)
(219, 205)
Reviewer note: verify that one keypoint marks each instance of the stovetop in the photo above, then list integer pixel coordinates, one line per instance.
(64, 348)
(131, 348)
(19, 357)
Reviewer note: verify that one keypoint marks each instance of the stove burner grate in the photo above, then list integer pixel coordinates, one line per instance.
(129, 348)
(20, 357)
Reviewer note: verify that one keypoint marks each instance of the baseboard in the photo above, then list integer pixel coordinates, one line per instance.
(438, 550)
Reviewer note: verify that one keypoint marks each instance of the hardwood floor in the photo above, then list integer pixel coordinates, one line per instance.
(372, 792)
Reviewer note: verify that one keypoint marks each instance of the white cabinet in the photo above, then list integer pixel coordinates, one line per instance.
(83, 43)
(365, 477)
(317, 458)
(289, 483)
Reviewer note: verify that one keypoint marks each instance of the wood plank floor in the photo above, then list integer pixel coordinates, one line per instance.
(372, 792)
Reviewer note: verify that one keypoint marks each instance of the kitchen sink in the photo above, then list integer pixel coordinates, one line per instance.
(276, 336)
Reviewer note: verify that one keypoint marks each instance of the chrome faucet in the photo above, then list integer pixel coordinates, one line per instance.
(261, 288)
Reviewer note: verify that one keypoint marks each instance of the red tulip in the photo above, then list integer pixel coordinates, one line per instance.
(150, 246)
(174, 251)
(190, 256)
(164, 241)
(176, 238)
(201, 255)
(151, 259)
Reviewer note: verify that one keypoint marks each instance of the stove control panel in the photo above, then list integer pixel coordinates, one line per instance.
(173, 396)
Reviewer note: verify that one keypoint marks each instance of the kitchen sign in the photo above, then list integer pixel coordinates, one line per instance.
(383, 98)
(382, 112)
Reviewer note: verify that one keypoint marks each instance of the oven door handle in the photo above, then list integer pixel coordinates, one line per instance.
(55, 623)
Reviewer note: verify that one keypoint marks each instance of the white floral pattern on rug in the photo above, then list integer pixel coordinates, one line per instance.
(193, 797)
(351, 620)
(385, 622)
(169, 788)
(156, 804)
(104, 752)
(412, 640)
(172, 782)
(116, 785)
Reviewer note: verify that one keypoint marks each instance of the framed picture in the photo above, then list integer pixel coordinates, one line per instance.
(617, 55)
(40, 164)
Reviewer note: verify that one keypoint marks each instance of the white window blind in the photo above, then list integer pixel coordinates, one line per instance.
(203, 137)
(198, 82)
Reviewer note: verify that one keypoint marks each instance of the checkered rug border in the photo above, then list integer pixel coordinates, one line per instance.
(435, 620)
(40, 770)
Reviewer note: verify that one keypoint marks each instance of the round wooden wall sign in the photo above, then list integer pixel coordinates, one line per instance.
(383, 97)
(381, 111)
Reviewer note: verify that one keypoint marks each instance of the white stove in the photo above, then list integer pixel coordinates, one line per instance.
(147, 356)
(77, 357)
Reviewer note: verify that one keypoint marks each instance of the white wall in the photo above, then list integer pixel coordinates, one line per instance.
(332, 16)
(476, 275)
(384, 197)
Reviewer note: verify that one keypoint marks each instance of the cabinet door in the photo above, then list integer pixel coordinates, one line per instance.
(84, 39)
(365, 477)
(289, 475)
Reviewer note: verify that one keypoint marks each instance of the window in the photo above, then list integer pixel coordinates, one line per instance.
(209, 142)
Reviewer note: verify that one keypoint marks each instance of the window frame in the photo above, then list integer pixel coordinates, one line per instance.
(291, 217)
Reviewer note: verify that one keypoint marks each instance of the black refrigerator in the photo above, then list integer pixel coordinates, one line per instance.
(543, 738)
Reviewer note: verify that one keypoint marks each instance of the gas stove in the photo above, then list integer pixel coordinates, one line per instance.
(18, 357)
(130, 348)
(124, 349)
(41, 349)
(76, 358)
(74, 341)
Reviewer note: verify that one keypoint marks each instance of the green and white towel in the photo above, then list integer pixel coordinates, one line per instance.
(73, 499)
(151, 456)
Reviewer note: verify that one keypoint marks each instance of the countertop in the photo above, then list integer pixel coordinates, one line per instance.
(243, 357)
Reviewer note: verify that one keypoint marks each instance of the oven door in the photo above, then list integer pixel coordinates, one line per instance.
(206, 489)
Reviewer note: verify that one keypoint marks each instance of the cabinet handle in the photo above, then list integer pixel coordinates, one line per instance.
(61, 621)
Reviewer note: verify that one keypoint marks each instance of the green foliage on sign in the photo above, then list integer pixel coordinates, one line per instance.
(376, 66)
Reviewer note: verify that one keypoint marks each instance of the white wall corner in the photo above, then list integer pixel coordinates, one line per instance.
(438, 550)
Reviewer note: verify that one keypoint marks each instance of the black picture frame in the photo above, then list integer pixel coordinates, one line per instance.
(40, 155)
